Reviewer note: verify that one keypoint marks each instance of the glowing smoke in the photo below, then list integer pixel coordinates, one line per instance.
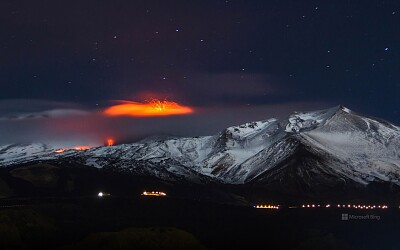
(152, 108)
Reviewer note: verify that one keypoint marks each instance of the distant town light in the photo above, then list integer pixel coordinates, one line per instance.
(267, 206)
(347, 206)
(154, 193)
(103, 194)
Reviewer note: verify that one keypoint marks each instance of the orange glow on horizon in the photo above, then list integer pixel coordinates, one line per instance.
(62, 150)
(110, 142)
(81, 147)
(152, 108)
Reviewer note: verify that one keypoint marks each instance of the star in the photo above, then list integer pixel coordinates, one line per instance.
(386, 49)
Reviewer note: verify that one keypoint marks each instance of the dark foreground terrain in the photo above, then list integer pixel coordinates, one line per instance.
(172, 223)
(47, 206)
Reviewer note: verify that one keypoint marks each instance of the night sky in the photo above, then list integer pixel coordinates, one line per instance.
(63, 62)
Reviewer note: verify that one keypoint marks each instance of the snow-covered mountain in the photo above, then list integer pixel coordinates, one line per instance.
(326, 147)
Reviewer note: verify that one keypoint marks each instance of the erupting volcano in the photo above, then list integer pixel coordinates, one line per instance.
(151, 108)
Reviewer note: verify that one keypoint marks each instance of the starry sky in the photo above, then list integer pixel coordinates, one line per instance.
(63, 62)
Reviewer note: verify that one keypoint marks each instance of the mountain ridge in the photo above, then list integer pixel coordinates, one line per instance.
(336, 145)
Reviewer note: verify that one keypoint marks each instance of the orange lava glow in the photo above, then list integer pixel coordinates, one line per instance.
(60, 150)
(110, 142)
(152, 108)
(81, 147)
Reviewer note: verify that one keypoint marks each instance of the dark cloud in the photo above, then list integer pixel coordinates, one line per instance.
(55, 113)
(211, 89)
(11, 107)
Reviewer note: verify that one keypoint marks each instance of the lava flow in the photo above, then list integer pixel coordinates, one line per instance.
(152, 108)
(110, 142)
(81, 147)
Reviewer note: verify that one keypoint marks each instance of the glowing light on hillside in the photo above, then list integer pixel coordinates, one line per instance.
(59, 151)
(315, 206)
(267, 206)
(154, 193)
(151, 108)
(110, 142)
(81, 148)
(103, 194)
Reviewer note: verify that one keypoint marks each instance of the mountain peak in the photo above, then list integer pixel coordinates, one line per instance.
(343, 108)
(338, 143)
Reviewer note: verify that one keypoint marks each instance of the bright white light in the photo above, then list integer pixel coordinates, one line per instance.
(100, 194)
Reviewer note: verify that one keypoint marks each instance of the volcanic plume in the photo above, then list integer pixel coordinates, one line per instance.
(147, 109)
